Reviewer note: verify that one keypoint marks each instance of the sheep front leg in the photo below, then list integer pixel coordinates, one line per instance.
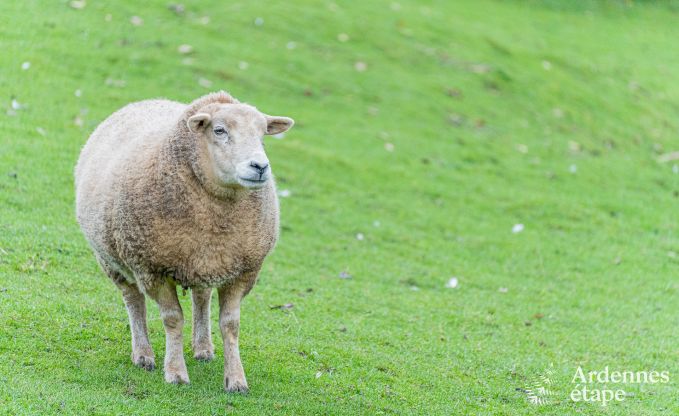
(229, 323)
(165, 294)
(201, 339)
(135, 303)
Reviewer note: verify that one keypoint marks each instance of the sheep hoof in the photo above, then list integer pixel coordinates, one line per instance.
(176, 377)
(240, 387)
(204, 355)
(145, 362)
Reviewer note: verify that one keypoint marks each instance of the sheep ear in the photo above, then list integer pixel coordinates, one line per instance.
(275, 125)
(198, 122)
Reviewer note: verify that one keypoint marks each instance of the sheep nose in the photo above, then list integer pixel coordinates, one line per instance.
(260, 167)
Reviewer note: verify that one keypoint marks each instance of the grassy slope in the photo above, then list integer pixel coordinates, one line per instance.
(593, 259)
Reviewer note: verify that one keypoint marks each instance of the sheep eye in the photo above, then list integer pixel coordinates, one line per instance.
(219, 131)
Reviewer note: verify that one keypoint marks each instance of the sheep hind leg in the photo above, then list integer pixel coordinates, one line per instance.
(201, 339)
(165, 294)
(135, 303)
(229, 323)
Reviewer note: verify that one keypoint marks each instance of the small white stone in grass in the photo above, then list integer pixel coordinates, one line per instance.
(40, 131)
(185, 49)
(319, 374)
(546, 65)
(517, 228)
(279, 136)
(414, 288)
(108, 17)
(675, 169)
(360, 66)
(291, 45)
(376, 223)
(136, 20)
(78, 4)
(243, 65)
(343, 37)
(284, 193)
(16, 105)
(25, 65)
(389, 147)
(360, 237)
(344, 275)
(503, 290)
(178, 8)
(452, 283)
(78, 93)
(259, 21)
(573, 168)
(204, 82)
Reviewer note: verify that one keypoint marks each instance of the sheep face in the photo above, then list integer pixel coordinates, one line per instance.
(231, 146)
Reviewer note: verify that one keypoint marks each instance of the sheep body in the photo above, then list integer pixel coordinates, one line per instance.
(142, 209)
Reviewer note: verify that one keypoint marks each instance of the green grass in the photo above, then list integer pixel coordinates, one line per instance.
(488, 107)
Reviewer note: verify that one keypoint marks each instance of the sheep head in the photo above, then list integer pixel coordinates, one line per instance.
(230, 139)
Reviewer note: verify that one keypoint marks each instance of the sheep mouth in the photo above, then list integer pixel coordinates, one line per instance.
(252, 183)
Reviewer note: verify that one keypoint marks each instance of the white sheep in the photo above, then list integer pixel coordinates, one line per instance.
(171, 194)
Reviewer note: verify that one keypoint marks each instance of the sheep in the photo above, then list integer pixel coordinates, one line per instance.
(172, 194)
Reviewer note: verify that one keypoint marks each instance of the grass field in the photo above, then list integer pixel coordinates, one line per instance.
(429, 128)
